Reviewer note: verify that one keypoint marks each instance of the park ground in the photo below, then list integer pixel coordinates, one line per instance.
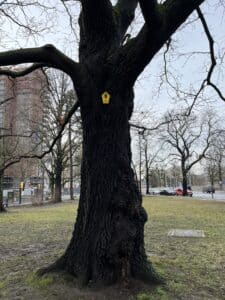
(193, 268)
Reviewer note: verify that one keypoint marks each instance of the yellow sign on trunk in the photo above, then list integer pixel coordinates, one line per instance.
(22, 185)
(106, 97)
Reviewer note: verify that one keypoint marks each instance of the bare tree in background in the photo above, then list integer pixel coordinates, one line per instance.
(215, 159)
(189, 137)
(145, 128)
(148, 148)
(13, 152)
(57, 102)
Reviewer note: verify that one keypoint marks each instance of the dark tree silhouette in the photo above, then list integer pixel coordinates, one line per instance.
(108, 239)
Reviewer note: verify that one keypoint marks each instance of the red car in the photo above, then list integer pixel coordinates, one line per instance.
(179, 192)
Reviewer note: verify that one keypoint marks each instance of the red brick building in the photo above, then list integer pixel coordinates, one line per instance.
(21, 117)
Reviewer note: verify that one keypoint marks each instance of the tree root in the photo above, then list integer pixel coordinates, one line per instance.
(3, 209)
(53, 268)
(148, 275)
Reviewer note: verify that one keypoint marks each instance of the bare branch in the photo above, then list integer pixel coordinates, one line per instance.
(208, 79)
(143, 128)
(6, 100)
(65, 122)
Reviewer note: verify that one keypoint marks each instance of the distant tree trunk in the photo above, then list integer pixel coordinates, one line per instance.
(58, 182)
(147, 181)
(140, 163)
(51, 179)
(71, 162)
(2, 209)
(146, 168)
(107, 245)
(184, 183)
(184, 178)
(212, 178)
(51, 184)
(58, 173)
(220, 174)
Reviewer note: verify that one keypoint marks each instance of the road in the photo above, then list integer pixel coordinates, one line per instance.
(217, 196)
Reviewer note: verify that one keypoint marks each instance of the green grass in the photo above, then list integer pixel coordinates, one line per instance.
(194, 268)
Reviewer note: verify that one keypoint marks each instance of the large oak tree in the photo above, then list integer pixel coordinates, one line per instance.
(108, 239)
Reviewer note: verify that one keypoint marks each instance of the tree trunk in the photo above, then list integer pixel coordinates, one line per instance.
(2, 208)
(58, 182)
(107, 245)
(51, 183)
(220, 174)
(58, 172)
(140, 163)
(184, 184)
(147, 181)
(146, 168)
(71, 162)
(184, 176)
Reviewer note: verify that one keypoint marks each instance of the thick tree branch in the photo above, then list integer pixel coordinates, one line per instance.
(42, 56)
(151, 13)
(97, 20)
(138, 52)
(176, 12)
(13, 74)
(124, 12)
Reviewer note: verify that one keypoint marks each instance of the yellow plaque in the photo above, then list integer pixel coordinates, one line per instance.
(105, 98)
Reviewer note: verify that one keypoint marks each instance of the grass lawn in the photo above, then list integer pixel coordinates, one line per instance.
(194, 268)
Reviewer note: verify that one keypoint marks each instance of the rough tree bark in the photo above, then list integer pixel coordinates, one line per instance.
(108, 239)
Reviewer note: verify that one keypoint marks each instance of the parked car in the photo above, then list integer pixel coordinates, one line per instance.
(180, 192)
(167, 192)
(154, 191)
(208, 189)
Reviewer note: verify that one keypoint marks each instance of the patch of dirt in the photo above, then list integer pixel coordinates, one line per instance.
(71, 291)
